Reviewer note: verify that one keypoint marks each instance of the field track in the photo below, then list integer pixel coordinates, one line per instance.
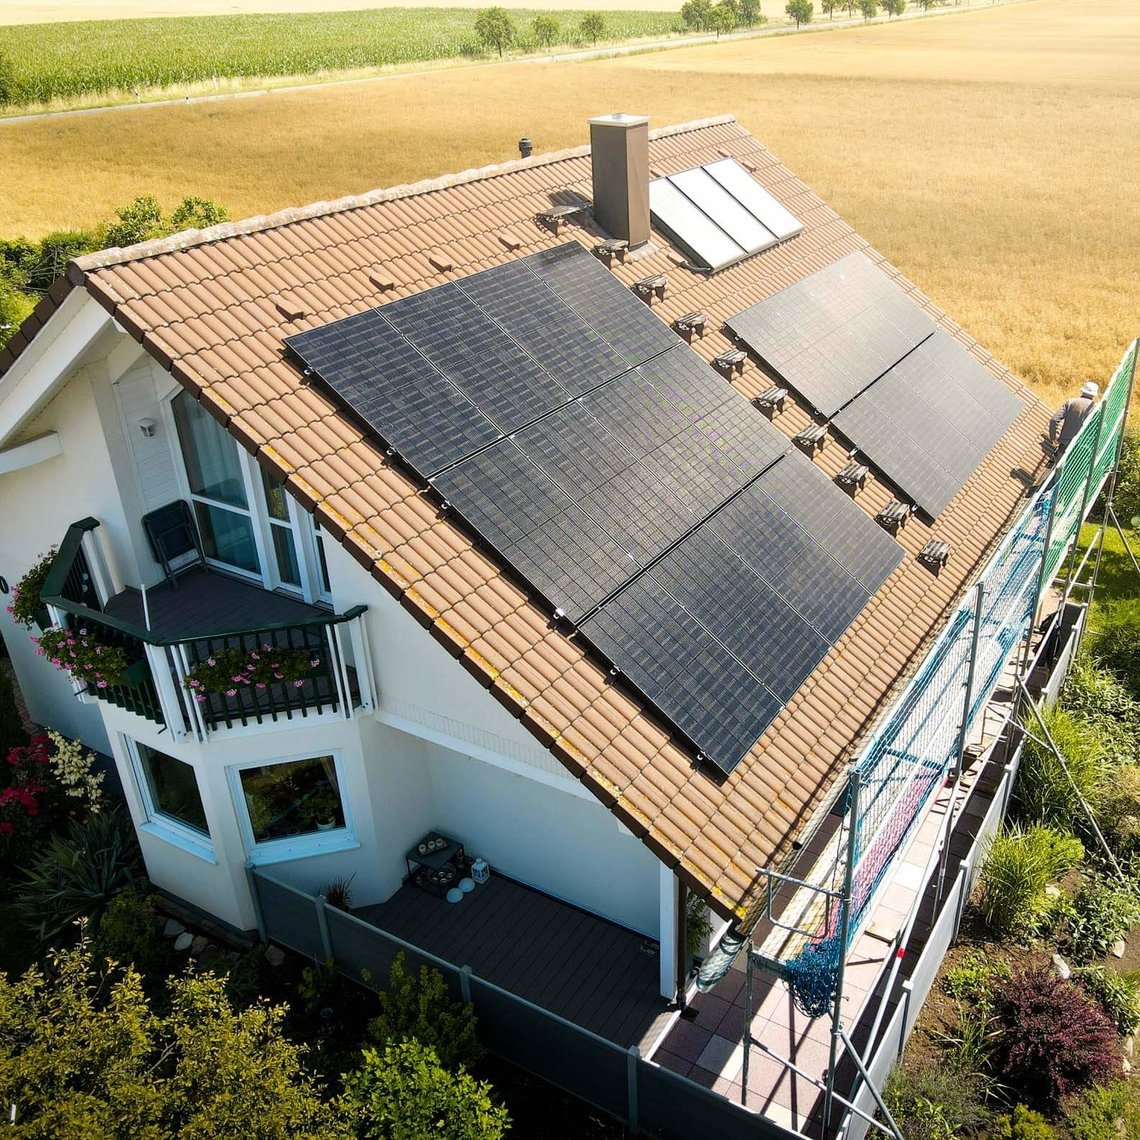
(991, 156)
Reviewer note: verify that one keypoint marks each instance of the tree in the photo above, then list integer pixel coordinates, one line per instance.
(800, 11)
(749, 11)
(546, 30)
(83, 1053)
(495, 28)
(894, 7)
(827, 7)
(592, 27)
(695, 14)
(869, 8)
(196, 214)
(140, 221)
(722, 18)
(406, 1094)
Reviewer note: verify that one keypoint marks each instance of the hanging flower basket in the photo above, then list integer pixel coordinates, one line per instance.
(233, 671)
(26, 605)
(79, 652)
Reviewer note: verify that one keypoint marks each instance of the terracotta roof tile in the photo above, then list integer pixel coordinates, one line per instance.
(210, 308)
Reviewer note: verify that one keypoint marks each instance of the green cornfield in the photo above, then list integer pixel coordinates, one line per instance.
(45, 63)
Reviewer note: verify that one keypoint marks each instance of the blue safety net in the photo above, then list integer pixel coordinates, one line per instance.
(911, 752)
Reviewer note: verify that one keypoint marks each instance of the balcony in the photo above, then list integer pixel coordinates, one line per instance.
(169, 634)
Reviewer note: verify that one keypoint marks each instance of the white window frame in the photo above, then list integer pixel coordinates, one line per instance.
(158, 823)
(301, 522)
(294, 846)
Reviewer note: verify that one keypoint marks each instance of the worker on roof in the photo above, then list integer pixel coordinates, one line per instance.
(1070, 417)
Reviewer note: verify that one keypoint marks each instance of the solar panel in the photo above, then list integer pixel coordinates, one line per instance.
(763, 588)
(691, 228)
(835, 332)
(709, 195)
(616, 473)
(750, 194)
(719, 213)
(930, 421)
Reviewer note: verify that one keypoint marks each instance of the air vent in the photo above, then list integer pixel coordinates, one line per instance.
(443, 264)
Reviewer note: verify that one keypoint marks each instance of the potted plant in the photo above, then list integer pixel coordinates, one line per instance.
(80, 652)
(236, 670)
(321, 808)
(27, 605)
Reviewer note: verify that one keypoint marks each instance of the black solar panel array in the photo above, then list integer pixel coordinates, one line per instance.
(910, 398)
(619, 475)
(835, 332)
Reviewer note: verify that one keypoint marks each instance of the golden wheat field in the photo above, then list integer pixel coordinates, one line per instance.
(991, 155)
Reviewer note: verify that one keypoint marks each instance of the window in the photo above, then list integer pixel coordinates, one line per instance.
(217, 486)
(173, 804)
(294, 799)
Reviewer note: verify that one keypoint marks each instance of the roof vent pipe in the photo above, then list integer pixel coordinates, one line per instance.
(526, 147)
(619, 152)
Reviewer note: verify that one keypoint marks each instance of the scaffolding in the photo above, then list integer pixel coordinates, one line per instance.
(919, 746)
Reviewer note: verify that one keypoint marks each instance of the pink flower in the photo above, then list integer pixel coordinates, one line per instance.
(297, 684)
(231, 692)
(101, 684)
(261, 684)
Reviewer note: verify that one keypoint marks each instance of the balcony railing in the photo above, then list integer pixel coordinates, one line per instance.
(77, 594)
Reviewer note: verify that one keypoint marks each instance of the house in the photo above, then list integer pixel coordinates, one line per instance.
(433, 685)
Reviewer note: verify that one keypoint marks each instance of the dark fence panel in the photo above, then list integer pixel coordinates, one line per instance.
(583, 1064)
(675, 1108)
(290, 917)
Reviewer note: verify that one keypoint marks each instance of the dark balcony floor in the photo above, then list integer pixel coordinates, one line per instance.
(594, 973)
(207, 604)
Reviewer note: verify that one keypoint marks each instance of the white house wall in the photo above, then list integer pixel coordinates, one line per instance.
(37, 505)
(567, 846)
(138, 393)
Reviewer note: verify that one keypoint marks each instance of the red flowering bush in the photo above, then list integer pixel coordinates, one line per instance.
(1054, 1039)
(26, 800)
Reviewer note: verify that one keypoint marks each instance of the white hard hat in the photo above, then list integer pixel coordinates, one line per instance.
(1091, 389)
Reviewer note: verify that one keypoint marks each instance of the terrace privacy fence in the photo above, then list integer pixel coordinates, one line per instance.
(923, 734)
(614, 1079)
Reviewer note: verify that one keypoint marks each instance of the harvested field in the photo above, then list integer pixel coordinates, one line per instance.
(991, 155)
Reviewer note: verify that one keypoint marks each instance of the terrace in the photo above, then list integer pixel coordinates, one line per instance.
(169, 633)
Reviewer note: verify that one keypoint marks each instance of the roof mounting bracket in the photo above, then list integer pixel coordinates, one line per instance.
(812, 437)
(771, 400)
(615, 247)
(853, 477)
(553, 218)
(934, 554)
(731, 361)
(690, 323)
(649, 287)
(382, 281)
(893, 516)
(289, 309)
(442, 264)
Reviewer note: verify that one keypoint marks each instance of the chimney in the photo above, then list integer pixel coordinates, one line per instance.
(619, 149)
(526, 147)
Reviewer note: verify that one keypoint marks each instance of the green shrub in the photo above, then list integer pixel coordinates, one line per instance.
(1053, 1040)
(1107, 1112)
(934, 1102)
(1018, 867)
(1118, 994)
(79, 873)
(1119, 810)
(130, 932)
(420, 1008)
(26, 603)
(1044, 793)
(318, 986)
(406, 1094)
(1103, 912)
(972, 980)
(1095, 694)
(1126, 498)
(1022, 1124)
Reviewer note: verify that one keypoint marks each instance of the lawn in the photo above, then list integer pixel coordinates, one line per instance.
(1118, 585)
(991, 155)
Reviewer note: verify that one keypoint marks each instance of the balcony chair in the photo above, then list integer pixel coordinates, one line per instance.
(172, 535)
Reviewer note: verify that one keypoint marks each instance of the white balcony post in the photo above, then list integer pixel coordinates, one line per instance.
(182, 671)
(362, 659)
(105, 586)
(168, 695)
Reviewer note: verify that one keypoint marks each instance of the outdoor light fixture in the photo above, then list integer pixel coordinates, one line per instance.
(148, 428)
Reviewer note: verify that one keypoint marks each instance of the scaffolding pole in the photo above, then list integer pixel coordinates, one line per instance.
(844, 934)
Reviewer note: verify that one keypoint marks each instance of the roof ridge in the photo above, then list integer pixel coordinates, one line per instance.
(78, 269)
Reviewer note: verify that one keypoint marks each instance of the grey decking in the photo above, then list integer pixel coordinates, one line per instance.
(207, 603)
(583, 968)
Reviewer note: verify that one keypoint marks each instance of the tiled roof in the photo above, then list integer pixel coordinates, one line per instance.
(214, 308)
